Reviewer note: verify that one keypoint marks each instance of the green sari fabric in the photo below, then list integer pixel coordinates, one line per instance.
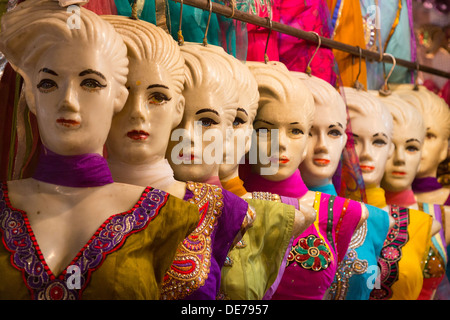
(134, 269)
(256, 261)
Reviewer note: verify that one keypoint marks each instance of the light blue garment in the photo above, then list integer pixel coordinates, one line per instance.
(399, 44)
(360, 284)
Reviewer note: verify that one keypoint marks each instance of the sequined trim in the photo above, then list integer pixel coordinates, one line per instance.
(310, 253)
(349, 266)
(391, 253)
(192, 262)
(26, 256)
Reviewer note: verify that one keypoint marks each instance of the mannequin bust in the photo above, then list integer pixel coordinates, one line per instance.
(326, 142)
(373, 144)
(66, 72)
(287, 106)
(409, 134)
(436, 115)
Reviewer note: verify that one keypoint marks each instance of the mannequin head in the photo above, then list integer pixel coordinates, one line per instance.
(66, 73)
(372, 129)
(243, 121)
(408, 137)
(141, 131)
(436, 116)
(327, 136)
(285, 114)
(211, 101)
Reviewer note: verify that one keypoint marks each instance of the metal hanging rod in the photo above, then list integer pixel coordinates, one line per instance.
(229, 12)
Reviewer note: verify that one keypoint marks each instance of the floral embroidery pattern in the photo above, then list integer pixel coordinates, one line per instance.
(310, 253)
(391, 253)
(27, 257)
(192, 262)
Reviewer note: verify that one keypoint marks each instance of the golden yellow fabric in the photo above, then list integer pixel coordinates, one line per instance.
(410, 279)
(349, 30)
(134, 271)
(376, 197)
(256, 265)
(235, 185)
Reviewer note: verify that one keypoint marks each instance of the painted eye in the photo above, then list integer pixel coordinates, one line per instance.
(412, 149)
(91, 84)
(47, 85)
(379, 143)
(431, 135)
(207, 122)
(237, 122)
(296, 131)
(158, 98)
(335, 133)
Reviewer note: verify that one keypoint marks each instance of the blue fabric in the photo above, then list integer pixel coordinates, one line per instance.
(359, 285)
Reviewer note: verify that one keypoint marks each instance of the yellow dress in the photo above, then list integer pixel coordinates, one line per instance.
(125, 259)
(403, 254)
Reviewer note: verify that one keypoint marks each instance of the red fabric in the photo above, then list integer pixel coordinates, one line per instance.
(101, 7)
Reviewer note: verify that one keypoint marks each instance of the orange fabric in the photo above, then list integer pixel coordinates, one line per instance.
(349, 30)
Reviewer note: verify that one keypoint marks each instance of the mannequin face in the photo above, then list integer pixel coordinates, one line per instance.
(204, 125)
(325, 145)
(293, 129)
(141, 131)
(401, 168)
(74, 99)
(434, 149)
(240, 142)
(373, 147)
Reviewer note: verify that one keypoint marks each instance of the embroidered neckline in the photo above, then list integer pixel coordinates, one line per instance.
(26, 256)
(391, 253)
(192, 262)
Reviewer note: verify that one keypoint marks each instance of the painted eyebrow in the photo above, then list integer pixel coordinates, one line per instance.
(294, 123)
(243, 110)
(264, 121)
(46, 70)
(379, 133)
(355, 135)
(333, 125)
(207, 110)
(90, 71)
(411, 140)
(157, 86)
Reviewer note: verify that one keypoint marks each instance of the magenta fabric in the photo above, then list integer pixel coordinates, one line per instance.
(223, 235)
(425, 184)
(298, 283)
(403, 198)
(295, 53)
(257, 36)
(101, 7)
(293, 186)
(80, 171)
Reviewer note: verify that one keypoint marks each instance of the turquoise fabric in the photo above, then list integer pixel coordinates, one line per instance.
(359, 284)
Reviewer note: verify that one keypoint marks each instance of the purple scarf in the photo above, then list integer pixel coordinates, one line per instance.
(425, 184)
(80, 171)
(293, 186)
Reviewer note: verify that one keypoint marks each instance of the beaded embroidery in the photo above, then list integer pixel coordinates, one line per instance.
(27, 257)
(310, 253)
(192, 262)
(391, 253)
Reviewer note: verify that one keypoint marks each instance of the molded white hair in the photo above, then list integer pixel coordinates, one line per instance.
(429, 104)
(275, 82)
(403, 113)
(147, 42)
(362, 103)
(35, 26)
(205, 66)
(324, 93)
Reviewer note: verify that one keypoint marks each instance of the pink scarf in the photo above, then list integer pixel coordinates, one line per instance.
(403, 198)
(293, 186)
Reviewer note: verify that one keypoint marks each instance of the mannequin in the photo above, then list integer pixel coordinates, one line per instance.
(73, 210)
(267, 256)
(287, 105)
(408, 136)
(436, 115)
(136, 148)
(401, 275)
(326, 143)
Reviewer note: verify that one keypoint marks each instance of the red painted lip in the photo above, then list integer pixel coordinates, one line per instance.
(182, 156)
(398, 173)
(367, 168)
(67, 122)
(138, 135)
(321, 162)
